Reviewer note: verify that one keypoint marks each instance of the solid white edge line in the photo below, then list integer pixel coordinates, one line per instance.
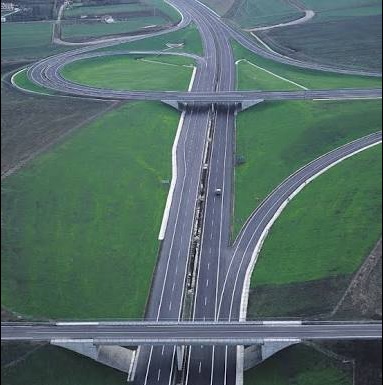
(282, 323)
(352, 98)
(309, 14)
(240, 365)
(208, 8)
(77, 323)
(14, 84)
(257, 250)
(132, 365)
(169, 200)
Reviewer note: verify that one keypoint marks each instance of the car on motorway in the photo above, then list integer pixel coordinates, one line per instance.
(218, 191)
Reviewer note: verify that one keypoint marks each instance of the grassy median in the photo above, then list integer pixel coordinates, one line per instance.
(320, 240)
(80, 224)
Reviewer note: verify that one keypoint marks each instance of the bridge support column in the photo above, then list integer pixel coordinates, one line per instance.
(256, 354)
(180, 357)
(116, 357)
(248, 104)
(179, 106)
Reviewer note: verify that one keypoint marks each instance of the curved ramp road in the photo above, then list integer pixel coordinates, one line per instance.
(48, 74)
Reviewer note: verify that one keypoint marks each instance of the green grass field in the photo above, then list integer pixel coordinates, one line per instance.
(22, 41)
(251, 77)
(79, 31)
(52, 365)
(111, 9)
(306, 78)
(80, 224)
(345, 33)
(336, 222)
(154, 7)
(325, 5)
(255, 13)
(189, 37)
(128, 73)
(278, 138)
(299, 365)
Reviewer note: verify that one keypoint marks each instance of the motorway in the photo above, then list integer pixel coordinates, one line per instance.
(189, 333)
(206, 136)
(47, 73)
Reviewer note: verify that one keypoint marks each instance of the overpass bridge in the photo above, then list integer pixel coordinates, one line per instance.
(188, 333)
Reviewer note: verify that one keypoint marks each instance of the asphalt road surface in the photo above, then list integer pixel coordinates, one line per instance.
(190, 333)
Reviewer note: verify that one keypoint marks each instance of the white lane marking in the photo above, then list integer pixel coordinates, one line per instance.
(335, 98)
(273, 74)
(170, 306)
(208, 265)
(77, 323)
(205, 301)
(159, 375)
(162, 63)
(282, 323)
(200, 367)
(207, 283)
(174, 285)
(163, 350)
(148, 367)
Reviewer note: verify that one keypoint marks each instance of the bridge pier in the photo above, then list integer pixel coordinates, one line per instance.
(116, 357)
(256, 354)
(242, 106)
(179, 106)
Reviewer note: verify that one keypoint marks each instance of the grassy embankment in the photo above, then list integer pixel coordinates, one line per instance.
(80, 224)
(250, 77)
(132, 73)
(52, 365)
(300, 365)
(320, 241)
